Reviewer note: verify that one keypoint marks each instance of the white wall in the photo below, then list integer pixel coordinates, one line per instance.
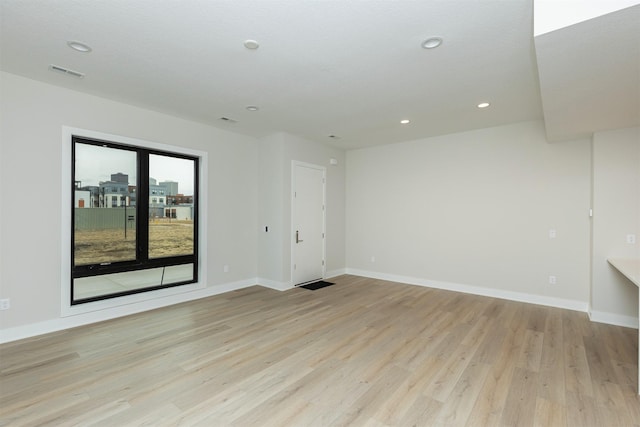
(276, 154)
(32, 116)
(472, 211)
(616, 207)
(468, 211)
(271, 172)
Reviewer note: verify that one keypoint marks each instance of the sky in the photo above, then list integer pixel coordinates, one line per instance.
(96, 163)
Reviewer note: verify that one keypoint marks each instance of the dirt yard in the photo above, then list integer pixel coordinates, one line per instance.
(165, 239)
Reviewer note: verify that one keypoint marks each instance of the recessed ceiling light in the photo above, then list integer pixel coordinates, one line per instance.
(432, 43)
(80, 47)
(405, 121)
(483, 105)
(252, 108)
(251, 44)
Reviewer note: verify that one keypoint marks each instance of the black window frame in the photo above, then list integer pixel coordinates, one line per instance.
(141, 207)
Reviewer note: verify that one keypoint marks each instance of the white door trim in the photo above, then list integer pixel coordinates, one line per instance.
(294, 164)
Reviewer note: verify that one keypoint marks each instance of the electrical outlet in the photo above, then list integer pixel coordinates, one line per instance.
(5, 304)
(373, 259)
(552, 233)
(225, 268)
(631, 239)
(552, 280)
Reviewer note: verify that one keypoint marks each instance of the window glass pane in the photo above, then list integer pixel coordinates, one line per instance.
(116, 283)
(171, 218)
(104, 213)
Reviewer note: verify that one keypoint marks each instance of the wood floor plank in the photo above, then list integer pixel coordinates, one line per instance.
(456, 409)
(612, 405)
(365, 407)
(364, 352)
(492, 399)
(401, 402)
(448, 376)
(548, 413)
(490, 348)
(531, 351)
(551, 380)
(600, 365)
(423, 412)
(582, 411)
(519, 409)
(577, 372)
(632, 399)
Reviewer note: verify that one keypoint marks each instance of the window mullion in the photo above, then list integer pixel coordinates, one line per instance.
(142, 207)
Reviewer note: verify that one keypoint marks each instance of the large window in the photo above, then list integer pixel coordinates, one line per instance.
(123, 239)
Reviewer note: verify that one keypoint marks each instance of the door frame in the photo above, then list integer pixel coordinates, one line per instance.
(294, 165)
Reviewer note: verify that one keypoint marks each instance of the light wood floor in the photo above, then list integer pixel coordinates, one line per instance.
(361, 353)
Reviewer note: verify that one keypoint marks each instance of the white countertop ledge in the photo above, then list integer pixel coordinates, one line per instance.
(629, 267)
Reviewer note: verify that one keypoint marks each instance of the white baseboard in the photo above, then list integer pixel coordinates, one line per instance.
(272, 284)
(613, 319)
(335, 273)
(285, 286)
(68, 322)
(477, 290)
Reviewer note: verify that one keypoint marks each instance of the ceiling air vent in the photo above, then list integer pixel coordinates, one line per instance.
(67, 71)
(228, 120)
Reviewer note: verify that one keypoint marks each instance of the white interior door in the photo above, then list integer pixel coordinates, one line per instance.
(307, 214)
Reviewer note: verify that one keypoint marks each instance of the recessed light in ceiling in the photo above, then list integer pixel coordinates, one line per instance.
(432, 43)
(405, 121)
(251, 44)
(483, 105)
(79, 46)
(252, 108)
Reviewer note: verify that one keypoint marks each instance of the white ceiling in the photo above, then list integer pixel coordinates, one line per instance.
(595, 83)
(551, 15)
(350, 68)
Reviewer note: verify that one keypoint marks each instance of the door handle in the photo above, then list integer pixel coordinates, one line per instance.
(298, 237)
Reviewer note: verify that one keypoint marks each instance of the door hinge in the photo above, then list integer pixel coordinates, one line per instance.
(323, 235)
(322, 262)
